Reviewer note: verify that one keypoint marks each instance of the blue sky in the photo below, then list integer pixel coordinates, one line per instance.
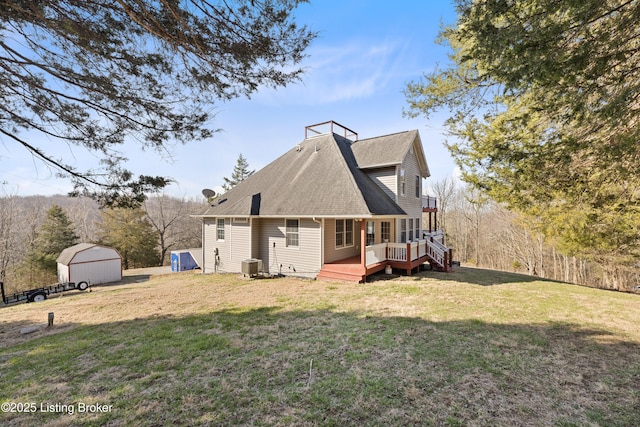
(356, 71)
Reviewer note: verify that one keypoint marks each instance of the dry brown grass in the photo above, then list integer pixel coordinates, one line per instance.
(468, 348)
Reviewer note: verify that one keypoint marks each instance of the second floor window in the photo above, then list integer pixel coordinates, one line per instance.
(418, 186)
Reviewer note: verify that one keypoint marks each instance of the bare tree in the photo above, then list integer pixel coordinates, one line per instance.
(8, 242)
(169, 216)
(445, 190)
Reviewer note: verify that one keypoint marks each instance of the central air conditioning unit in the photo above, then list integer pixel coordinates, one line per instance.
(251, 267)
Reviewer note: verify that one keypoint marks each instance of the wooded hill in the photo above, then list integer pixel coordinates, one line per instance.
(27, 229)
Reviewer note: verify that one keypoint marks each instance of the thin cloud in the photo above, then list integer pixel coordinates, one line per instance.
(355, 70)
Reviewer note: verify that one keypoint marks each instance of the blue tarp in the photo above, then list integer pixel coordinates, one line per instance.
(182, 261)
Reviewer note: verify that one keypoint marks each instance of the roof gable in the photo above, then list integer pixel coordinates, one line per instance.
(390, 150)
(318, 177)
(68, 254)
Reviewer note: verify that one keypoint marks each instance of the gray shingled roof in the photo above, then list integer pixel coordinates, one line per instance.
(375, 152)
(319, 177)
(67, 254)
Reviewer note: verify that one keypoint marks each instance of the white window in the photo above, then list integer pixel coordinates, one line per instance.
(293, 233)
(418, 186)
(371, 233)
(403, 184)
(403, 230)
(385, 231)
(220, 229)
(411, 229)
(417, 225)
(344, 233)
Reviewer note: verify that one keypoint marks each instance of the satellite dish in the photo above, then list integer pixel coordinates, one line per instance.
(208, 193)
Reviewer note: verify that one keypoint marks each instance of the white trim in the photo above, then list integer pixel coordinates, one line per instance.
(344, 233)
(286, 240)
(218, 239)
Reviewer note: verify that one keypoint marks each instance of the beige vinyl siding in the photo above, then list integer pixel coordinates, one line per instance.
(331, 253)
(411, 204)
(255, 238)
(211, 243)
(305, 258)
(386, 179)
(240, 245)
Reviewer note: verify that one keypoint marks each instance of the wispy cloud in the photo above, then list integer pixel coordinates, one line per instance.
(356, 69)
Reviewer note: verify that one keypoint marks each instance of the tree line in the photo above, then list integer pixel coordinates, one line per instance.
(34, 230)
(484, 233)
(542, 98)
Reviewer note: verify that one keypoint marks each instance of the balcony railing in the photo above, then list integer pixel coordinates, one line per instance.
(429, 202)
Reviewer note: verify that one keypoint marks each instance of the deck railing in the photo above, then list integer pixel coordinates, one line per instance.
(429, 202)
(403, 252)
(437, 251)
(400, 252)
(437, 235)
(396, 252)
(376, 253)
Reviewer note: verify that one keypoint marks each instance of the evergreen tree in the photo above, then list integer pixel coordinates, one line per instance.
(240, 173)
(129, 231)
(543, 96)
(55, 234)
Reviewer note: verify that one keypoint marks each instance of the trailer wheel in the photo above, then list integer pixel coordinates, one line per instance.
(83, 286)
(37, 296)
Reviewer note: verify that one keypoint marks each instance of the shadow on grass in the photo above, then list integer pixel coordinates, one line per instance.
(478, 276)
(269, 366)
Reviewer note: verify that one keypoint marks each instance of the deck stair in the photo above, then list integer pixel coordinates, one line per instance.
(347, 271)
(439, 256)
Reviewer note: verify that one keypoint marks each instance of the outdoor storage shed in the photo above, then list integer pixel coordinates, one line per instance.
(90, 263)
(185, 259)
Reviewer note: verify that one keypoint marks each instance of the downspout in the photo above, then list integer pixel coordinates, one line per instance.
(321, 222)
(204, 251)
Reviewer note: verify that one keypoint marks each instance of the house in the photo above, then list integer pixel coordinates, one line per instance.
(332, 206)
(88, 262)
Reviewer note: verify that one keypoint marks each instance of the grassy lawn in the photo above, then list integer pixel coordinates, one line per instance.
(469, 348)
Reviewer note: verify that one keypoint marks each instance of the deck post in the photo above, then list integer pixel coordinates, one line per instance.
(409, 258)
(363, 244)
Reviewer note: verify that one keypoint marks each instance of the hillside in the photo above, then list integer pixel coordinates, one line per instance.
(473, 347)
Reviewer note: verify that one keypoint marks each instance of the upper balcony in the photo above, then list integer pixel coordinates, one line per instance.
(429, 204)
(330, 127)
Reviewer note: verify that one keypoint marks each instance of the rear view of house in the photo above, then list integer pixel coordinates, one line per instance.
(332, 206)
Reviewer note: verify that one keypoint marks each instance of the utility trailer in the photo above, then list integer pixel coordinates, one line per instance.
(40, 294)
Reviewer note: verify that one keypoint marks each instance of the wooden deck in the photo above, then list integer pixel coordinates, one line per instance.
(350, 269)
(400, 256)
